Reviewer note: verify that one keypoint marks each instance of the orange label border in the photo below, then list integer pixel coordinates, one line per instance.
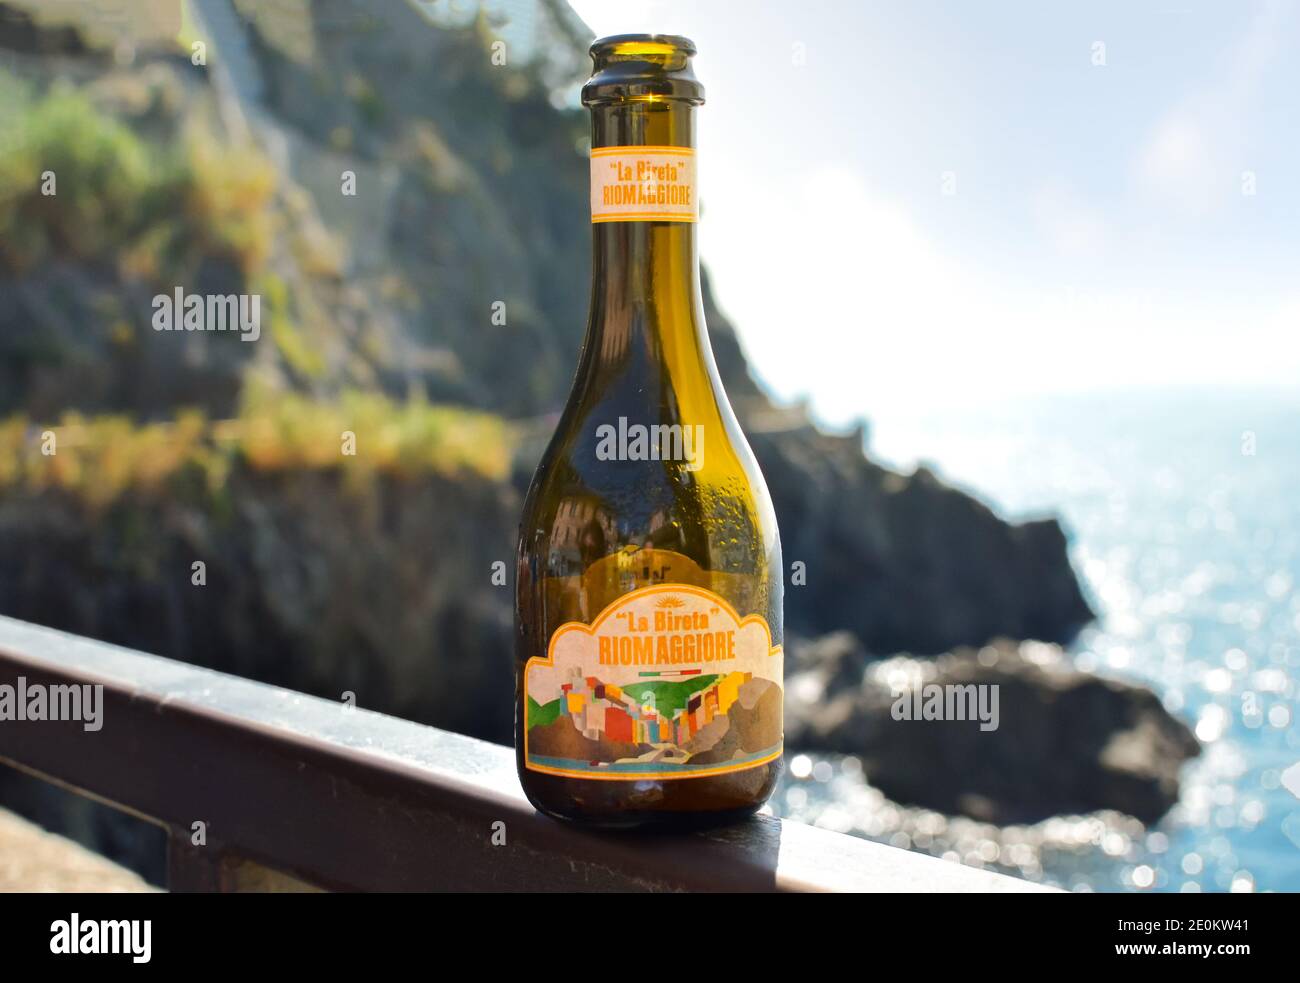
(568, 626)
(690, 217)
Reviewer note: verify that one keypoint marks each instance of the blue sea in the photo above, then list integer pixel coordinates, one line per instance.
(1183, 512)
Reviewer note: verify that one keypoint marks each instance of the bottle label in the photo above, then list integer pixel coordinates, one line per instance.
(643, 184)
(667, 682)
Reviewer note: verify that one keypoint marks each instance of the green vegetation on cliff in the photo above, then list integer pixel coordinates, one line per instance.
(78, 184)
(361, 435)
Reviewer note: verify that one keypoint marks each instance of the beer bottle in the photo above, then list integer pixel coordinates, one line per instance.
(648, 612)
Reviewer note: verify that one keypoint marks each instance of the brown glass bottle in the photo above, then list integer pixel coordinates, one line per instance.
(648, 612)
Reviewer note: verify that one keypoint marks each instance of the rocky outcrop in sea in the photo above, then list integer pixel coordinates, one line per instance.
(1039, 738)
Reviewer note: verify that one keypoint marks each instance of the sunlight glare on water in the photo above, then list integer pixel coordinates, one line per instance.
(1185, 534)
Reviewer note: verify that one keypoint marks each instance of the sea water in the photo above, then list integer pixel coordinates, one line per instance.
(1183, 512)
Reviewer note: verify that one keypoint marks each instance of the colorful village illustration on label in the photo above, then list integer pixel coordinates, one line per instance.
(668, 682)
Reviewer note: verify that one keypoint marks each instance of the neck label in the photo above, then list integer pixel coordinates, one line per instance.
(643, 184)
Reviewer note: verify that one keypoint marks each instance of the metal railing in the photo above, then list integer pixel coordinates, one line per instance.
(295, 792)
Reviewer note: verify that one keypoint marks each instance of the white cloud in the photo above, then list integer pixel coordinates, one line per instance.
(1193, 156)
(832, 286)
(840, 294)
(1181, 166)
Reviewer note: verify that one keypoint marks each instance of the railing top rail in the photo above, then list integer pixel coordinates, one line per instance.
(351, 799)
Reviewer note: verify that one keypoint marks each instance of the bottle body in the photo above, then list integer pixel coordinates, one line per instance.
(649, 587)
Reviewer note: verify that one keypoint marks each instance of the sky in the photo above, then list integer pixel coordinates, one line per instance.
(925, 205)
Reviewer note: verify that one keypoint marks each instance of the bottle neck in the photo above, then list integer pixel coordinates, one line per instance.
(645, 274)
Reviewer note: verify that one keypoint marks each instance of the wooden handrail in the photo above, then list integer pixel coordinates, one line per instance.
(298, 792)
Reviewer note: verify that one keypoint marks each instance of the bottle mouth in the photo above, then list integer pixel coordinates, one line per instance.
(642, 68)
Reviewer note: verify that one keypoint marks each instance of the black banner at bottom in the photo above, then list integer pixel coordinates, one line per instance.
(141, 932)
